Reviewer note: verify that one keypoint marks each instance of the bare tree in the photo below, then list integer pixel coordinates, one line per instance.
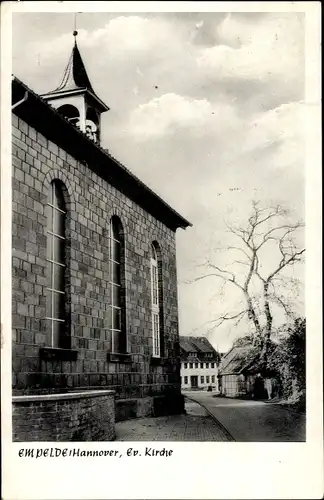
(268, 231)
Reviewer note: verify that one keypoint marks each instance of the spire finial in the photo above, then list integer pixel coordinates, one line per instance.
(75, 33)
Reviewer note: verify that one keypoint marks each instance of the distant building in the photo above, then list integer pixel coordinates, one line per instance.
(237, 372)
(199, 364)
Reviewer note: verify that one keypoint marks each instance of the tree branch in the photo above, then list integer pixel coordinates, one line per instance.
(221, 319)
(290, 229)
(283, 264)
(275, 298)
(231, 278)
(240, 250)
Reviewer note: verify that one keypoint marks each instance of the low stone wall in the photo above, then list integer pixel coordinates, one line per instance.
(133, 408)
(71, 416)
(155, 406)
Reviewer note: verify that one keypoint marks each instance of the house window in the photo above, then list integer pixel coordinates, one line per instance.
(186, 380)
(117, 299)
(212, 365)
(201, 365)
(186, 365)
(190, 365)
(207, 379)
(213, 379)
(155, 300)
(196, 365)
(56, 265)
(207, 365)
(202, 380)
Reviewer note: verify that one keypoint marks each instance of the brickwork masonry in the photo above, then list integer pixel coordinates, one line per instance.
(86, 416)
(91, 202)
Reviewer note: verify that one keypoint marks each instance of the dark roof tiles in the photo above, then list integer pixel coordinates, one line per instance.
(238, 359)
(198, 345)
(75, 75)
(202, 344)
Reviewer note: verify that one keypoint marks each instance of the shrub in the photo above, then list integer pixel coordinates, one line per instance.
(288, 360)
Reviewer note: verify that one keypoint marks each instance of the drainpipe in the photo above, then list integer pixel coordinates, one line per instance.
(21, 101)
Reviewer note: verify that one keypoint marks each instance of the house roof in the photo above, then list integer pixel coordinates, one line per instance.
(186, 345)
(39, 114)
(198, 345)
(239, 359)
(202, 344)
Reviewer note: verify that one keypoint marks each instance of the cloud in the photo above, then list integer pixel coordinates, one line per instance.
(124, 36)
(280, 130)
(171, 113)
(248, 50)
(124, 53)
(237, 57)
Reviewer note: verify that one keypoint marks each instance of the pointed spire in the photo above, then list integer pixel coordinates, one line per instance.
(75, 75)
(75, 98)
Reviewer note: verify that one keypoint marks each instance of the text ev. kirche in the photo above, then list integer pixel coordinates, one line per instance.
(79, 452)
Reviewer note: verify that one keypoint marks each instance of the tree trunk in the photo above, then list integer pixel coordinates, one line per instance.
(268, 328)
(251, 313)
(267, 311)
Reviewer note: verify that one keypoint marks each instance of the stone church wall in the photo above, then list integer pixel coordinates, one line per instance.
(91, 204)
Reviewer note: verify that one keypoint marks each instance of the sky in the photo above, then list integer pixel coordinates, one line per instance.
(206, 108)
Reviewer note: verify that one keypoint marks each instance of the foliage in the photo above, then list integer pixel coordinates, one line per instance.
(243, 341)
(285, 363)
(288, 361)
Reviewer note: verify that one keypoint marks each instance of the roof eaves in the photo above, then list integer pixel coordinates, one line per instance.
(61, 93)
(58, 94)
(181, 222)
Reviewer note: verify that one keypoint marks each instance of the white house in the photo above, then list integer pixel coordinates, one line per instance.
(199, 364)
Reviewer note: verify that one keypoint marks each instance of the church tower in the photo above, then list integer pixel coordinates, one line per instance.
(75, 98)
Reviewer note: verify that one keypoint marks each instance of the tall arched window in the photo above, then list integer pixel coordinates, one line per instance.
(155, 297)
(55, 300)
(117, 295)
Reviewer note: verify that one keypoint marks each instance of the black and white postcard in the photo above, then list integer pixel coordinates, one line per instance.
(160, 250)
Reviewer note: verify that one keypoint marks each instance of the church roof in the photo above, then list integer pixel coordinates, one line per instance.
(35, 111)
(75, 79)
(75, 75)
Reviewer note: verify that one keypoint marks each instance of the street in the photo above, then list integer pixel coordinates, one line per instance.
(195, 425)
(254, 421)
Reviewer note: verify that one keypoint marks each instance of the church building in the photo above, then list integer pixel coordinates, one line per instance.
(94, 278)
